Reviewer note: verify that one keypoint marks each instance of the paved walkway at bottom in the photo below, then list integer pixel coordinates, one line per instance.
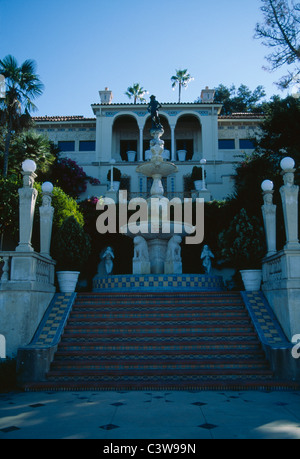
(150, 415)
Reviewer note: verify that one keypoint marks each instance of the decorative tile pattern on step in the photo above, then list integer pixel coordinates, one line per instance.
(264, 320)
(54, 320)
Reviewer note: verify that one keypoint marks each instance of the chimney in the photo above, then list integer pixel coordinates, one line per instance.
(207, 95)
(106, 96)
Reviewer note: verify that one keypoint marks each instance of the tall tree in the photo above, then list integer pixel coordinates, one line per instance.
(182, 79)
(136, 92)
(22, 87)
(280, 32)
(240, 100)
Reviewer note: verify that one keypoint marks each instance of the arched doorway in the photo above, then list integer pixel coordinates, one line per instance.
(125, 137)
(188, 136)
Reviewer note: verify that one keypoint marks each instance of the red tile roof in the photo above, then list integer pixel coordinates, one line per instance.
(62, 118)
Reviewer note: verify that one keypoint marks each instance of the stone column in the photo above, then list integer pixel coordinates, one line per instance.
(141, 144)
(173, 152)
(289, 196)
(46, 219)
(28, 195)
(269, 216)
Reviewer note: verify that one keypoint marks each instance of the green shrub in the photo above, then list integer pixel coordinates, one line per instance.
(242, 244)
(71, 246)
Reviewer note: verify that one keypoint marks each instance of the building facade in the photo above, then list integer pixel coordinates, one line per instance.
(119, 134)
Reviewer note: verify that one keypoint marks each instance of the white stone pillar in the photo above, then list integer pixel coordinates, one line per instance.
(46, 219)
(141, 144)
(173, 152)
(269, 216)
(27, 195)
(289, 196)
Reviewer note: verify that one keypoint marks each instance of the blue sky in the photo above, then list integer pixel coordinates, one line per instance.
(83, 46)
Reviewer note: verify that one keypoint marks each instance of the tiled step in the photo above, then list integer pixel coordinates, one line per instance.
(151, 375)
(157, 365)
(178, 340)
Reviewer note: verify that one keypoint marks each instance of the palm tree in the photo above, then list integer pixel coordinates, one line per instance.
(137, 92)
(182, 78)
(22, 87)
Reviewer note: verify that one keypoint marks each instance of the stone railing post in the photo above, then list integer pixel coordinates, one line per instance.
(269, 216)
(46, 219)
(28, 195)
(289, 196)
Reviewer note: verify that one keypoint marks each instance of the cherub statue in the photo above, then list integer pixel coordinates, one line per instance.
(206, 256)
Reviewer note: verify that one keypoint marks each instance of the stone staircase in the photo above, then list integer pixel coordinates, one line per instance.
(172, 341)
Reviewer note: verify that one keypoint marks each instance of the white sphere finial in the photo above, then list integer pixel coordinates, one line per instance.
(47, 187)
(28, 165)
(287, 163)
(267, 185)
(203, 161)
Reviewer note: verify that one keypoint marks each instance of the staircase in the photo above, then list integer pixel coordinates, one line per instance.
(172, 341)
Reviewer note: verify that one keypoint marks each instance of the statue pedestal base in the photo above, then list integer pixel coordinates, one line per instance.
(141, 267)
(204, 194)
(173, 267)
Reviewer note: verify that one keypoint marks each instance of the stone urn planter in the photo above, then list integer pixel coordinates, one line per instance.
(181, 155)
(67, 281)
(131, 156)
(116, 185)
(252, 279)
(198, 184)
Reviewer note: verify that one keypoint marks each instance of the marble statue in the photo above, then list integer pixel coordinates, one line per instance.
(206, 256)
(140, 249)
(106, 264)
(174, 249)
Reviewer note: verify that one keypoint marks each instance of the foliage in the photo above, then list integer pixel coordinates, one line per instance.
(67, 175)
(182, 79)
(136, 92)
(280, 128)
(280, 32)
(239, 100)
(116, 174)
(242, 243)
(71, 246)
(9, 205)
(22, 87)
(30, 145)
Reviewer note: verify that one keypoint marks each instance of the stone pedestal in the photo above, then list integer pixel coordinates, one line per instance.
(111, 194)
(141, 267)
(281, 285)
(173, 267)
(204, 194)
(157, 254)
